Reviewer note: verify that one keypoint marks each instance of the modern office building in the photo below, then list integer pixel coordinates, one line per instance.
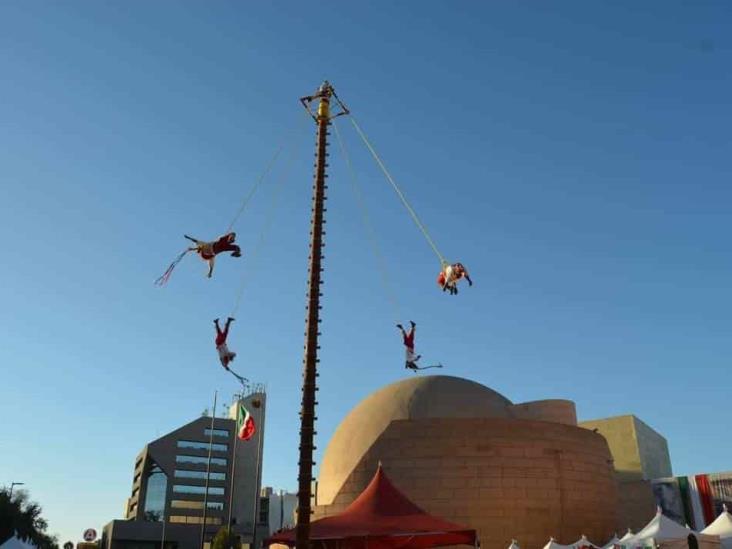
(172, 494)
(278, 509)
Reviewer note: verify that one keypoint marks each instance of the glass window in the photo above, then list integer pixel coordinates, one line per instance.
(177, 518)
(216, 446)
(200, 459)
(194, 520)
(185, 504)
(157, 484)
(183, 473)
(216, 432)
(188, 489)
(263, 510)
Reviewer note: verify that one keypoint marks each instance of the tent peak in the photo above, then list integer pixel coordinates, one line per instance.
(724, 508)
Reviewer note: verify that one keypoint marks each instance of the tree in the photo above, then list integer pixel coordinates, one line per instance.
(24, 517)
(225, 539)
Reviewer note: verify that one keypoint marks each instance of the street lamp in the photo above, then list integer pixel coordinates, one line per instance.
(12, 485)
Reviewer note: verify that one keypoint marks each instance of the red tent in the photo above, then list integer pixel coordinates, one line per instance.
(381, 518)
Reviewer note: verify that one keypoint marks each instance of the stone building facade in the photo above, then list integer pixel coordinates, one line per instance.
(467, 454)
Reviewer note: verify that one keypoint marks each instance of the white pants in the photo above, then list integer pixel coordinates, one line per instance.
(225, 356)
(450, 277)
(411, 357)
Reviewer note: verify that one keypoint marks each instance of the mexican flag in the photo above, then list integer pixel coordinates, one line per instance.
(245, 428)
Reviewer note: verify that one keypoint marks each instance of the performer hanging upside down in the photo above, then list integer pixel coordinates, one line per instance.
(408, 337)
(225, 355)
(209, 250)
(450, 275)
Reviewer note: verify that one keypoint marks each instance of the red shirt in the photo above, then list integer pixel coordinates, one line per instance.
(220, 338)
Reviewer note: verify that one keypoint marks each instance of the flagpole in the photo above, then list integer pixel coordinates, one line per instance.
(208, 469)
(162, 536)
(233, 462)
(257, 483)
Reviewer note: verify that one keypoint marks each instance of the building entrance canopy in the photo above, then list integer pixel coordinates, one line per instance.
(381, 518)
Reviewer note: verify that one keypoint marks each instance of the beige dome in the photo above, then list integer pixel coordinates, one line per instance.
(413, 398)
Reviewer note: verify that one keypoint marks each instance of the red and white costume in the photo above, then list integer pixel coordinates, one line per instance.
(411, 357)
(209, 250)
(449, 276)
(225, 356)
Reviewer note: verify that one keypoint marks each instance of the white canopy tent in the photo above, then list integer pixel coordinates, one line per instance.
(612, 543)
(667, 534)
(514, 545)
(722, 527)
(629, 534)
(554, 545)
(584, 542)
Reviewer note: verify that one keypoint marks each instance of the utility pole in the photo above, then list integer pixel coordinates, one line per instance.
(322, 119)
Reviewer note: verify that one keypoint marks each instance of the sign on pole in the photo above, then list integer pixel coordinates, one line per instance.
(90, 534)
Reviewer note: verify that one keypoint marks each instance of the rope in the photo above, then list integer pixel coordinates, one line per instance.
(244, 381)
(254, 188)
(371, 233)
(411, 211)
(416, 368)
(285, 142)
(269, 218)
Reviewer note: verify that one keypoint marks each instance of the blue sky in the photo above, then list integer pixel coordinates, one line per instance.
(575, 156)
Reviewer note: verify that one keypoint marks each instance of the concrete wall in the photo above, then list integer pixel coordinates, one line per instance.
(507, 478)
(554, 410)
(653, 450)
(636, 505)
(639, 452)
(620, 435)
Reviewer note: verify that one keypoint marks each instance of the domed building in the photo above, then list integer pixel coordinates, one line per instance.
(467, 454)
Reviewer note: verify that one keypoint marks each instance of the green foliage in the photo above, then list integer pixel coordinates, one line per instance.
(225, 539)
(22, 516)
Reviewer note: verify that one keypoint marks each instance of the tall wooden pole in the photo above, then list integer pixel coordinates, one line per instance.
(312, 321)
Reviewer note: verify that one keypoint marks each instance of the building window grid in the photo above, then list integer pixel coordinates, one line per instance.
(216, 432)
(182, 458)
(203, 445)
(186, 519)
(188, 504)
(185, 473)
(190, 489)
